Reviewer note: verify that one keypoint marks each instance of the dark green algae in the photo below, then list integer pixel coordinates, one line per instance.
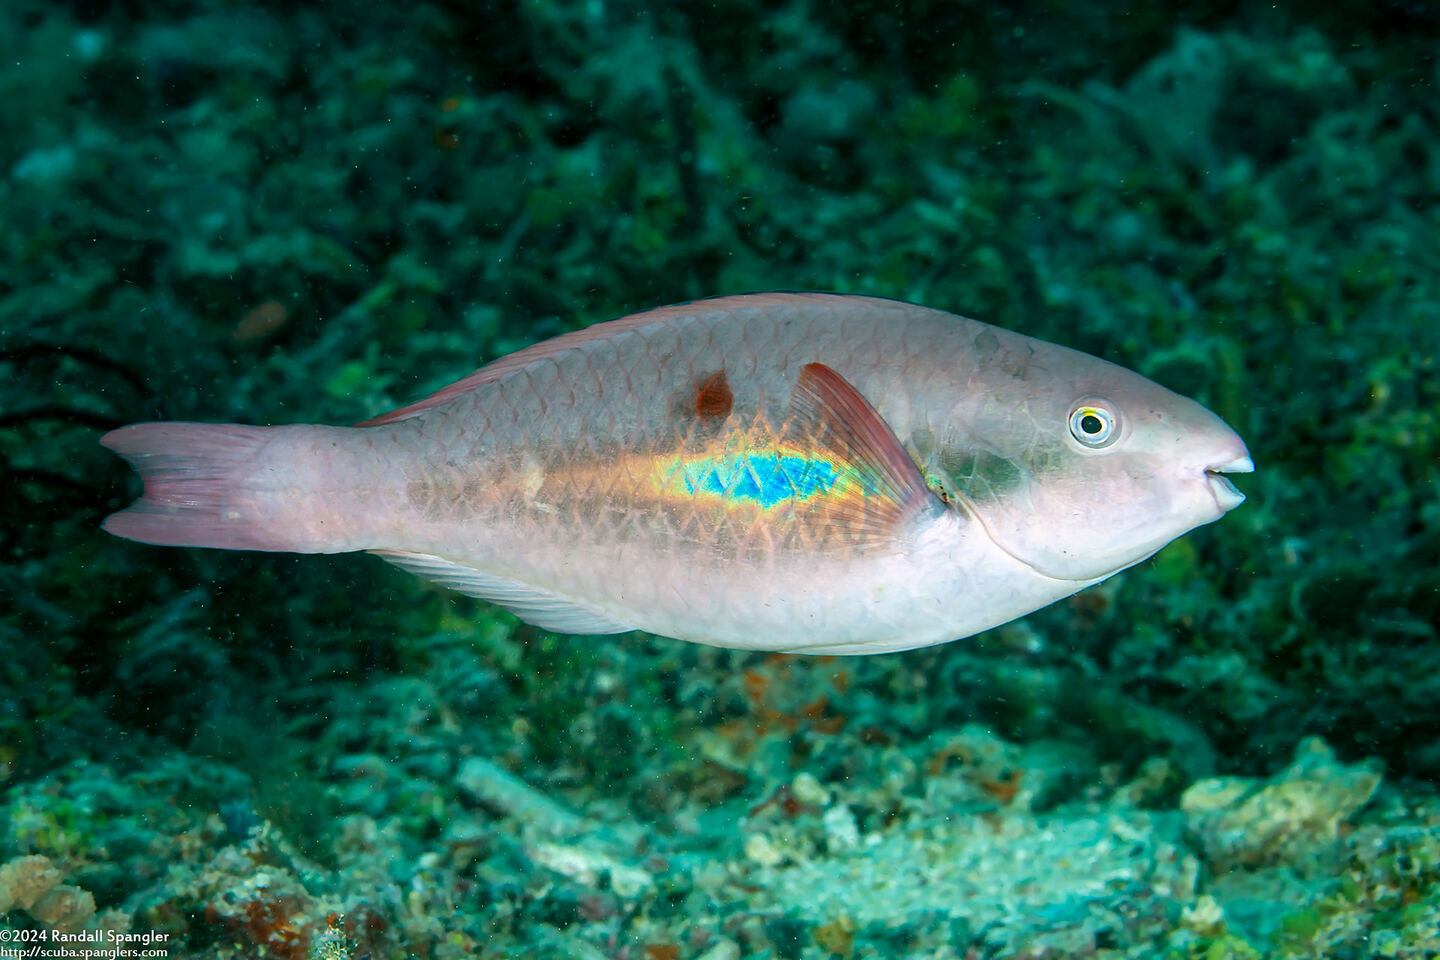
(269, 214)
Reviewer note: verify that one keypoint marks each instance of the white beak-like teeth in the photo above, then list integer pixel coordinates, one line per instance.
(1240, 465)
(1227, 497)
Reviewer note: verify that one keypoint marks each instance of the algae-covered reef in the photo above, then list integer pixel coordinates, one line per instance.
(272, 214)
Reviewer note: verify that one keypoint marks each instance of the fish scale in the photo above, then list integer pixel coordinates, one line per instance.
(809, 472)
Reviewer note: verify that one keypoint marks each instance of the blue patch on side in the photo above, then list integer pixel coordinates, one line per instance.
(766, 479)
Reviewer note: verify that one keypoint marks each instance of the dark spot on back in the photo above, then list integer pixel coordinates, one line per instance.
(713, 399)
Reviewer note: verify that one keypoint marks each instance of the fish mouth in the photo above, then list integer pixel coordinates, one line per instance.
(1227, 495)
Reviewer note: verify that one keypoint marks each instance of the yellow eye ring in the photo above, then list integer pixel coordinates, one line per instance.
(1093, 425)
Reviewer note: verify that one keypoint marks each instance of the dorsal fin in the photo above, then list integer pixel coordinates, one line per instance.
(520, 359)
(831, 414)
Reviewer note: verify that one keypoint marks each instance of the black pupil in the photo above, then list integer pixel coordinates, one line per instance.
(1091, 424)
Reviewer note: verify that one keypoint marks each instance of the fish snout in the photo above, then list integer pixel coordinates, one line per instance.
(1227, 495)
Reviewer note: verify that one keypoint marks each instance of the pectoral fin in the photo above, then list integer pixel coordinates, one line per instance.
(832, 416)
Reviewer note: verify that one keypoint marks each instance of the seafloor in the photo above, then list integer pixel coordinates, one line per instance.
(281, 213)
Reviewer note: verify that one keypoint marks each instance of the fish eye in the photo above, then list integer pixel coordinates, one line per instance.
(1093, 424)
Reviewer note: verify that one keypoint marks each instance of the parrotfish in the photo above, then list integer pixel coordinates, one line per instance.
(813, 473)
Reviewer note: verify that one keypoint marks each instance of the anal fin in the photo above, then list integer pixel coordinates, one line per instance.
(534, 605)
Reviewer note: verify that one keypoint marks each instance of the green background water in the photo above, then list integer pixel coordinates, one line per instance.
(275, 214)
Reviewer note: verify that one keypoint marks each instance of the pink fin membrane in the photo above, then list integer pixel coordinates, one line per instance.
(840, 421)
(195, 485)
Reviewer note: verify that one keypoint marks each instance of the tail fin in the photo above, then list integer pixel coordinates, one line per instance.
(196, 489)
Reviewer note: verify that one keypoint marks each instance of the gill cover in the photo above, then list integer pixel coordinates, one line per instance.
(1079, 478)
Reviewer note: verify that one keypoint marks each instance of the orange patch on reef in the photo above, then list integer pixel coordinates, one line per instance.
(277, 928)
(1003, 790)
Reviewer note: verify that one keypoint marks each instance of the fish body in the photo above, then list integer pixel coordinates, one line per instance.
(802, 472)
